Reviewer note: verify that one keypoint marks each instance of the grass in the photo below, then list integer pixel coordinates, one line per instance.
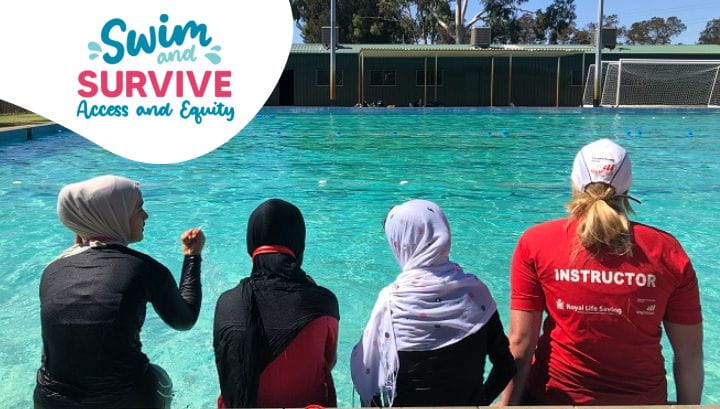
(7, 120)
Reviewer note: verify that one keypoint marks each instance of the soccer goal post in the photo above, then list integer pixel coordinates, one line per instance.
(657, 83)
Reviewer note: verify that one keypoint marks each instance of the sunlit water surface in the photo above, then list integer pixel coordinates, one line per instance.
(494, 172)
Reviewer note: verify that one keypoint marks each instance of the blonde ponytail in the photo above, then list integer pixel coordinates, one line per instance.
(602, 216)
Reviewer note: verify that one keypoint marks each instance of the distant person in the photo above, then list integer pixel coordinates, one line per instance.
(93, 299)
(275, 333)
(607, 285)
(431, 330)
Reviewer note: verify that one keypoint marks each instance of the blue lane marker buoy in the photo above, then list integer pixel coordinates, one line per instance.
(690, 134)
(639, 133)
(394, 133)
(489, 134)
(505, 133)
(628, 132)
(337, 133)
(278, 133)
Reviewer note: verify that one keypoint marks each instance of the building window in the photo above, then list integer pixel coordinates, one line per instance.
(420, 78)
(322, 78)
(576, 78)
(382, 78)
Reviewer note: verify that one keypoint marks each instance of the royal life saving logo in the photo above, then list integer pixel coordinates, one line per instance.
(154, 81)
(175, 48)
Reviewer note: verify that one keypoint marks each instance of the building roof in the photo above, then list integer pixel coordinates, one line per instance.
(500, 50)
(320, 49)
(706, 49)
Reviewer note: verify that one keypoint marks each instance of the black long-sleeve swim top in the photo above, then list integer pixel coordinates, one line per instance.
(92, 310)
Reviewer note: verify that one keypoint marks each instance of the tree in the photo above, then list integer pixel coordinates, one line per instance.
(580, 35)
(457, 28)
(502, 17)
(428, 12)
(657, 30)
(394, 17)
(586, 35)
(557, 20)
(498, 14)
(529, 30)
(711, 34)
(358, 21)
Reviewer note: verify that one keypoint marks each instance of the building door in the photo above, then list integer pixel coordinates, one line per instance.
(287, 88)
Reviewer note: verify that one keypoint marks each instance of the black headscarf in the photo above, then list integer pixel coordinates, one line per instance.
(257, 320)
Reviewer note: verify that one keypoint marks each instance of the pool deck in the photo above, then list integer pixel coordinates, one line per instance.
(30, 131)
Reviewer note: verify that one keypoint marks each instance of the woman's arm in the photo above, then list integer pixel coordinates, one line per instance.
(683, 325)
(686, 342)
(502, 360)
(331, 343)
(524, 334)
(179, 306)
(228, 360)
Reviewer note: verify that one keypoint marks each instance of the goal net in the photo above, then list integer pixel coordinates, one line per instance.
(653, 83)
(590, 82)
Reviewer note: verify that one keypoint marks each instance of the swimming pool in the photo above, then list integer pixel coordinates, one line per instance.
(494, 172)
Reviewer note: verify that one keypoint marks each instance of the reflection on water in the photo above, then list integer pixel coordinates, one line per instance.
(491, 188)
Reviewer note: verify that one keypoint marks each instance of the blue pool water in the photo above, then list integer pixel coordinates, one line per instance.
(495, 173)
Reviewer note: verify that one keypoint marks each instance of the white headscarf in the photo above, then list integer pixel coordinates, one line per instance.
(100, 207)
(431, 304)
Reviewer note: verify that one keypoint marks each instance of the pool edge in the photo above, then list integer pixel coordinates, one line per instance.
(30, 131)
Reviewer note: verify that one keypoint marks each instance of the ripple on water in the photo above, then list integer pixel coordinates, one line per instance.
(492, 188)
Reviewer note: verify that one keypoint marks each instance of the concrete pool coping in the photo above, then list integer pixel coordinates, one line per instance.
(31, 130)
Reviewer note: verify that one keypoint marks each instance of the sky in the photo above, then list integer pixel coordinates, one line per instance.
(694, 13)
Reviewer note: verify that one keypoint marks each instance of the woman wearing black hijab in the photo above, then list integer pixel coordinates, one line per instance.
(275, 334)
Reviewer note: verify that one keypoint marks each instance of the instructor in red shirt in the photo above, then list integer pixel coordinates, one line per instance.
(607, 286)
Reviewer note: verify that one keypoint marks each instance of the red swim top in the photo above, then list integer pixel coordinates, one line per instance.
(601, 338)
(300, 375)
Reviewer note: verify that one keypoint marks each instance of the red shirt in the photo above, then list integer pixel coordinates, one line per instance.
(300, 375)
(601, 338)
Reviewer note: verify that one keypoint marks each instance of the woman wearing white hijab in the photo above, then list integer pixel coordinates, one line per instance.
(431, 330)
(93, 300)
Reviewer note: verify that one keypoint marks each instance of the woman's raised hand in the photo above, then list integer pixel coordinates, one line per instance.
(192, 241)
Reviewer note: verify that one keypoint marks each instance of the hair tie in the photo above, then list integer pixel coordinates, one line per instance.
(607, 194)
(272, 249)
(595, 197)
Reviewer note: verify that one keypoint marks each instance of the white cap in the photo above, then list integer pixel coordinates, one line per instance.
(602, 161)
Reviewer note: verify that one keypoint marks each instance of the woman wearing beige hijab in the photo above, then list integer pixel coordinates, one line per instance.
(93, 299)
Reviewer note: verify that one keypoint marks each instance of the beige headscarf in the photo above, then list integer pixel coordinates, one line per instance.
(100, 207)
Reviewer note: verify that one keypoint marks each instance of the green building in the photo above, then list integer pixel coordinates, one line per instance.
(455, 75)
